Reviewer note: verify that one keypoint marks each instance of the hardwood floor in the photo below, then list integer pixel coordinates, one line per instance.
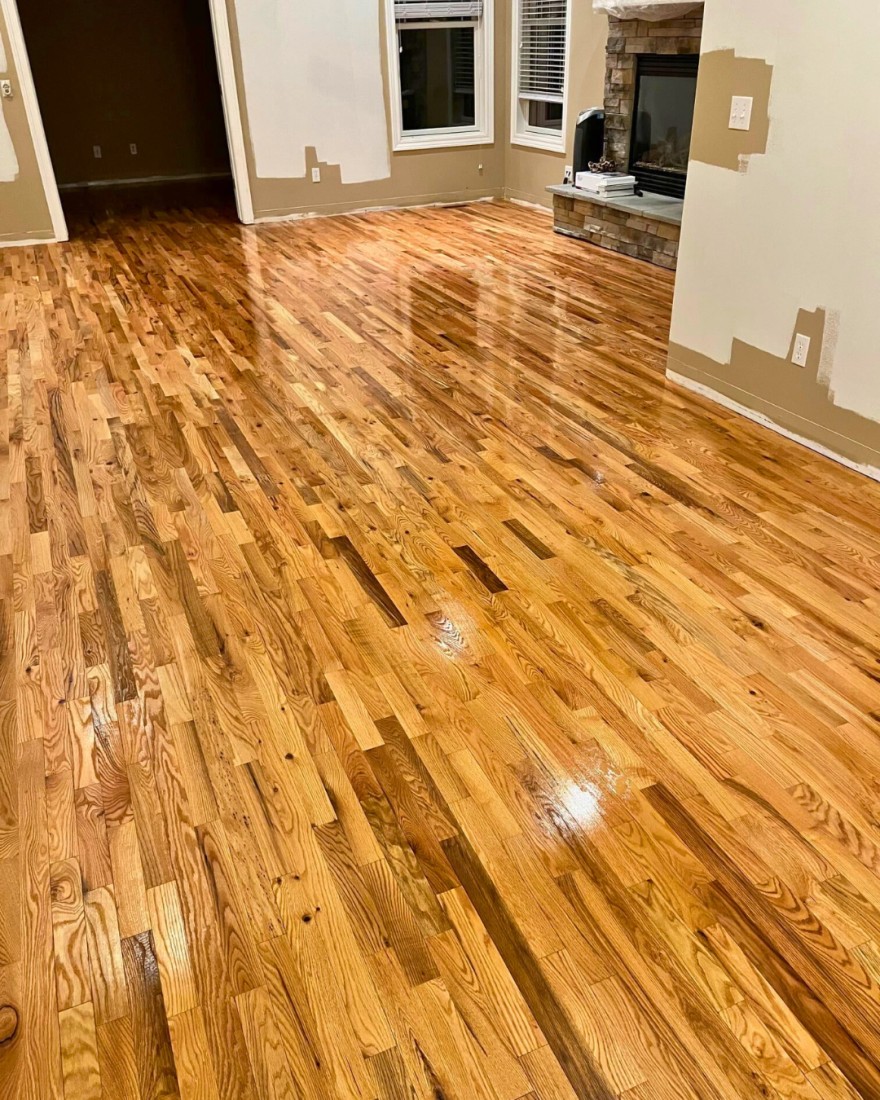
(405, 693)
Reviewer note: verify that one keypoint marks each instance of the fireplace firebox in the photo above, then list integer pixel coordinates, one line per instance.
(663, 118)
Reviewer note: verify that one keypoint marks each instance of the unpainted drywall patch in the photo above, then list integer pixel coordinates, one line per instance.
(798, 399)
(313, 78)
(8, 159)
(723, 75)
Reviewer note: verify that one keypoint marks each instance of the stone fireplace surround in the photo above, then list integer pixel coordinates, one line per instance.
(648, 228)
(627, 38)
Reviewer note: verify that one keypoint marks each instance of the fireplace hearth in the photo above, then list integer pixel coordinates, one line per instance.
(650, 89)
(663, 117)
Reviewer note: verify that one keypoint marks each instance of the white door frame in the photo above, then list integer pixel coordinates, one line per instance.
(228, 91)
(232, 111)
(25, 81)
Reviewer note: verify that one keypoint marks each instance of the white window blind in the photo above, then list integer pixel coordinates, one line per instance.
(542, 31)
(417, 10)
(463, 69)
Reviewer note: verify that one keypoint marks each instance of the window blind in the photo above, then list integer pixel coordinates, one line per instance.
(416, 10)
(542, 31)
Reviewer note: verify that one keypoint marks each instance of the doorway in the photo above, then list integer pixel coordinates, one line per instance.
(131, 105)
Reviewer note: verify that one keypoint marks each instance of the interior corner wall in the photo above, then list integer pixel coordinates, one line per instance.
(528, 171)
(24, 212)
(402, 179)
(779, 235)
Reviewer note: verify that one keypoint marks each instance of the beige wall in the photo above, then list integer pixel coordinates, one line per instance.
(444, 175)
(24, 214)
(449, 174)
(780, 234)
(527, 171)
(416, 177)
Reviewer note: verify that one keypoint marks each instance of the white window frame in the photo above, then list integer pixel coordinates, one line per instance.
(521, 131)
(483, 131)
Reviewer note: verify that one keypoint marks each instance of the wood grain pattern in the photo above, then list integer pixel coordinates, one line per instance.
(406, 694)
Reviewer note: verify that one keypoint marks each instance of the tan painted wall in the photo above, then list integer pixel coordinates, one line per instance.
(528, 172)
(24, 214)
(450, 175)
(416, 177)
(779, 233)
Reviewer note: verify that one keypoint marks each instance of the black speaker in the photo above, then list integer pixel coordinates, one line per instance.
(589, 139)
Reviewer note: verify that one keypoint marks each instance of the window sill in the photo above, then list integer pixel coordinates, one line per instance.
(547, 143)
(443, 141)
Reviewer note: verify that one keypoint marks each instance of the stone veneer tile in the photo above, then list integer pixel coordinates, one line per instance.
(626, 38)
(633, 234)
(629, 234)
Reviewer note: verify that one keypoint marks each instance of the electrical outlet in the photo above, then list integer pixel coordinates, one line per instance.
(6, 89)
(801, 350)
(96, 149)
(133, 149)
(316, 175)
(741, 112)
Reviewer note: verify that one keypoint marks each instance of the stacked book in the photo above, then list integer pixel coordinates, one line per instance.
(606, 185)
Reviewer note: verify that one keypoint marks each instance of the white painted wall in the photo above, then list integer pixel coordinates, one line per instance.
(802, 228)
(313, 77)
(8, 159)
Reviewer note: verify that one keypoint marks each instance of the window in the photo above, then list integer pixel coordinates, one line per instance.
(540, 70)
(441, 55)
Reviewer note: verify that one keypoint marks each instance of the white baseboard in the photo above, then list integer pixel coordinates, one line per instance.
(139, 180)
(530, 205)
(269, 219)
(28, 243)
(765, 421)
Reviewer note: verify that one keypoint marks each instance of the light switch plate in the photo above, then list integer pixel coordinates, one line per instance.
(741, 112)
(801, 350)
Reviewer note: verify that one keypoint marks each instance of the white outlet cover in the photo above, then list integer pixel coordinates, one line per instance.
(801, 350)
(741, 112)
(96, 149)
(316, 175)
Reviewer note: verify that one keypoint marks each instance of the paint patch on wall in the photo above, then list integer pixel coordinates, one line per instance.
(723, 75)
(798, 399)
(313, 78)
(8, 159)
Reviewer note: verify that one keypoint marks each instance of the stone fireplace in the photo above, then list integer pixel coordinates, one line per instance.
(654, 57)
(650, 85)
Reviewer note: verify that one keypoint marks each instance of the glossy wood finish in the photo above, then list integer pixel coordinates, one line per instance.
(405, 693)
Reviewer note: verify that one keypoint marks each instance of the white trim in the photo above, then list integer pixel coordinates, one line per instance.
(538, 207)
(521, 133)
(27, 243)
(535, 138)
(484, 77)
(232, 111)
(24, 76)
(272, 219)
(765, 421)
